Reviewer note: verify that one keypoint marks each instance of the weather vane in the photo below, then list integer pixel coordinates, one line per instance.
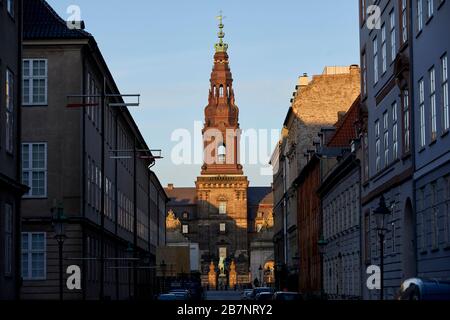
(220, 17)
(221, 46)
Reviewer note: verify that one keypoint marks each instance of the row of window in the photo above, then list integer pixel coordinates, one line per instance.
(34, 259)
(342, 276)
(424, 8)
(386, 27)
(433, 206)
(142, 225)
(342, 213)
(35, 93)
(388, 134)
(431, 104)
(126, 212)
(185, 228)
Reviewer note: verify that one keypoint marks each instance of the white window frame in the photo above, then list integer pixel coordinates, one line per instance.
(430, 8)
(185, 228)
(393, 36)
(386, 138)
(223, 227)
(422, 124)
(10, 7)
(433, 111)
(9, 103)
(406, 122)
(31, 78)
(8, 238)
(419, 15)
(375, 60)
(404, 16)
(394, 131)
(383, 49)
(377, 147)
(445, 93)
(30, 169)
(29, 251)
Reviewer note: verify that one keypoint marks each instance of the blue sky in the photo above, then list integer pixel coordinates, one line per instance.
(164, 49)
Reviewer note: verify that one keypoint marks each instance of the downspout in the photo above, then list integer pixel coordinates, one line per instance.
(18, 220)
(413, 157)
(84, 180)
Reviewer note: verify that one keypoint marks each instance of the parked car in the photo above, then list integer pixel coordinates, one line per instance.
(287, 296)
(258, 290)
(167, 297)
(181, 294)
(247, 294)
(264, 296)
(422, 289)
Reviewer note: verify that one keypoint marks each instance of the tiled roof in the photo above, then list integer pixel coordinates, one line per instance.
(259, 195)
(40, 21)
(345, 128)
(187, 196)
(181, 196)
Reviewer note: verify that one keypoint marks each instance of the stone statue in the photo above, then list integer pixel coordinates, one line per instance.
(222, 266)
(172, 222)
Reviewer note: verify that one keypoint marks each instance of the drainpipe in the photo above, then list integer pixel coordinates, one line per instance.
(413, 155)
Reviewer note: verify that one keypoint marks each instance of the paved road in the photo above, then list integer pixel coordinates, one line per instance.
(223, 295)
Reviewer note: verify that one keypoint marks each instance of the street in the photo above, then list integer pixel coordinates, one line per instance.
(223, 295)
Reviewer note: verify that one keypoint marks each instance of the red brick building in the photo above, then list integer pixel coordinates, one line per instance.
(309, 226)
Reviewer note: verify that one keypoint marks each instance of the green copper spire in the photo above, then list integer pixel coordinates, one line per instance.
(221, 46)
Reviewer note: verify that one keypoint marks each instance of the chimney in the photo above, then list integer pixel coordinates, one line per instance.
(341, 115)
(303, 80)
(170, 186)
(354, 69)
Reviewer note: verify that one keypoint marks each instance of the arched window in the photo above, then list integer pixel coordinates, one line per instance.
(221, 154)
(221, 91)
(214, 91)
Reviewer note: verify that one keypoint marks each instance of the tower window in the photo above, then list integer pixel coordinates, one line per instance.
(185, 229)
(222, 207)
(223, 227)
(221, 154)
(221, 91)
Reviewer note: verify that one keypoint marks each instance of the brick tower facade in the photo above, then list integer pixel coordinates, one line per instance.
(222, 187)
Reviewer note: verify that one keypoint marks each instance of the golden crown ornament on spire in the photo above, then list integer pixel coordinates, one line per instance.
(221, 46)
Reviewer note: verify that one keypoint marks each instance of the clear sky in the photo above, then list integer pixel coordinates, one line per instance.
(164, 51)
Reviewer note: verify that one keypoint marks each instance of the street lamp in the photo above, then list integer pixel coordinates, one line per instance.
(322, 244)
(381, 215)
(58, 222)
